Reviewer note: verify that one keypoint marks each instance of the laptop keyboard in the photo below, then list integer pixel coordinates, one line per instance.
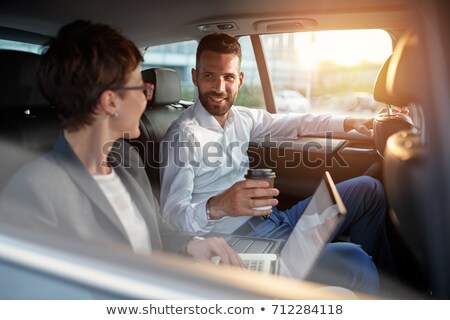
(254, 265)
(250, 245)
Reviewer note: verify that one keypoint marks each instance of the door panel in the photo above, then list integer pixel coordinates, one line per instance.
(299, 164)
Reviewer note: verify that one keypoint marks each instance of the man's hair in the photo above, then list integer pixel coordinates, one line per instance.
(219, 43)
(84, 60)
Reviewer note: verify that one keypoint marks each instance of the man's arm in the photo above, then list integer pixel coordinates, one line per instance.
(365, 125)
(178, 157)
(293, 125)
(265, 125)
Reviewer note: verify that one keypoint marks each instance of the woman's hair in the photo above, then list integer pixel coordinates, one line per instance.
(84, 60)
(219, 43)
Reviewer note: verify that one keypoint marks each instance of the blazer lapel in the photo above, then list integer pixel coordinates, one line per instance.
(75, 169)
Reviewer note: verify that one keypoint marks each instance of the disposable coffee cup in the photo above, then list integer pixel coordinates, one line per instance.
(262, 174)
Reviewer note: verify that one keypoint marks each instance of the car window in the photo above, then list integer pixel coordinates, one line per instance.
(250, 95)
(181, 57)
(326, 71)
(178, 56)
(19, 46)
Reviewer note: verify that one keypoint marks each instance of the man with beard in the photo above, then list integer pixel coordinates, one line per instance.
(204, 160)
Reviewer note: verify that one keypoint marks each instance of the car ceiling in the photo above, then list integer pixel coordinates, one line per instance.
(156, 22)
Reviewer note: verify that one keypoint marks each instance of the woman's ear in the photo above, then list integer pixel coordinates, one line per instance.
(107, 102)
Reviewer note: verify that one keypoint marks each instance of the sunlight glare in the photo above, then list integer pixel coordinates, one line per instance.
(349, 47)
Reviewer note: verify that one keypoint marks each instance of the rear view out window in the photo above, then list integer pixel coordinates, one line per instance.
(323, 71)
(177, 56)
(326, 71)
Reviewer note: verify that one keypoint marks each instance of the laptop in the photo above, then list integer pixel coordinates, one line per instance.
(316, 227)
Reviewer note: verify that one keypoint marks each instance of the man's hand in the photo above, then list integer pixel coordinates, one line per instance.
(365, 125)
(242, 198)
(204, 250)
(362, 125)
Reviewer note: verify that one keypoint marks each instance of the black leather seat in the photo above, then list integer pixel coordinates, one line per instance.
(161, 111)
(406, 183)
(28, 124)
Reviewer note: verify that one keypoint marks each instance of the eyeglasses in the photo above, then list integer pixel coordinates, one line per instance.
(147, 89)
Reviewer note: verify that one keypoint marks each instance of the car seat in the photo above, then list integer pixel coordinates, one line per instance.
(410, 161)
(161, 111)
(28, 123)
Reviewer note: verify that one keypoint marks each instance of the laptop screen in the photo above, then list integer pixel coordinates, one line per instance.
(315, 228)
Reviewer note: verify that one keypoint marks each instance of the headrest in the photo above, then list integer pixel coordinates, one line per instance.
(406, 72)
(167, 86)
(18, 81)
(380, 92)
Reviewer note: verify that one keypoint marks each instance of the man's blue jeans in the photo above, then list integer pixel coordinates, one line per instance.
(365, 225)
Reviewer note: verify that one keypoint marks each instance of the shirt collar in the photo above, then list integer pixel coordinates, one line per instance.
(206, 120)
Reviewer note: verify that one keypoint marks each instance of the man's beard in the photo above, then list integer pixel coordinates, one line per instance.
(217, 110)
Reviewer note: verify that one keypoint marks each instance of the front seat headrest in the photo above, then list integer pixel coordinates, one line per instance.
(380, 92)
(406, 71)
(379, 89)
(167, 86)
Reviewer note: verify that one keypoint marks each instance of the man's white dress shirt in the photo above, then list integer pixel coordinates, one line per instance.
(200, 159)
